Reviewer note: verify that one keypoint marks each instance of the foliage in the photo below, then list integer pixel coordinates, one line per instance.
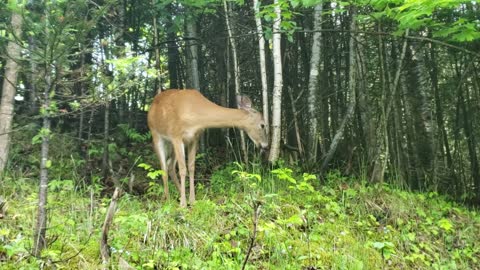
(103, 53)
(341, 225)
(430, 15)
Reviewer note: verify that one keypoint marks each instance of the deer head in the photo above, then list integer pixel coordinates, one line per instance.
(254, 124)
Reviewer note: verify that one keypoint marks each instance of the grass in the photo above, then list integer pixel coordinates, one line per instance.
(341, 224)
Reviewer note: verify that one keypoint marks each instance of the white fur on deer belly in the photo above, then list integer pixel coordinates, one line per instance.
(189, 134)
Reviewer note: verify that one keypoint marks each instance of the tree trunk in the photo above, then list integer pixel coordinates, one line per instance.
(41, 226)
(39, 241)
(439, 114)
(106, 117)
(352, 76)
(236, 75)
(158, 80)
(33, 79)
(313, 84)
(277, 86)
(193, 79)
(81, 123)
(263, 65)
(9, 89)
(465, 111)
(417, 97)
(106, 136)
(298, 136)
(173, 55)
(381, 156)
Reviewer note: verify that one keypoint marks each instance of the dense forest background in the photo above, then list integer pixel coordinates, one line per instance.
(384, 91)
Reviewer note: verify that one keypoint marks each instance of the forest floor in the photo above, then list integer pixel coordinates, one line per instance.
(299, 223)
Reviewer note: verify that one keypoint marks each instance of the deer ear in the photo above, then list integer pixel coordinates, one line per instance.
(244, 102)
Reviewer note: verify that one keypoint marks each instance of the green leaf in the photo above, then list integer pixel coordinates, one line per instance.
(155, 174)
(378, 245)
(445, 224)
(144, 166)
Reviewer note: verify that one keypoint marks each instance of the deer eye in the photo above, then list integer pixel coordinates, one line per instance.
(262, 126)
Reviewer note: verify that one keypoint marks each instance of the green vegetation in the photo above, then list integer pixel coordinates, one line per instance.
(371, 108)
(343, 223)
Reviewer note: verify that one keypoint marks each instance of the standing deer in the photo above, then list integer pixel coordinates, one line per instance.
(178, 117)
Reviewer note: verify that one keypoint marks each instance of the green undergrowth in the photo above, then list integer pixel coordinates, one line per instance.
(339, 224)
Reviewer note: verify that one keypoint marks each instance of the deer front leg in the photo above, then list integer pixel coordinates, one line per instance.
(192, 152)
(179, 149)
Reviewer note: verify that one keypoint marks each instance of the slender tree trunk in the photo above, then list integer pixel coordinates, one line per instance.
(192, 53)
(313, 84)
(352, 77)
(463, 101)
(41, 226)
(295, 123)
(263, 65)
(439, 114)
(158, 80)
(236, 75)
(106, 117)
(381, 156)
(173, 55)
(33, 79)
(277, 85)
(106, 135)
(82, 96)
(39, 240)
(9, 89)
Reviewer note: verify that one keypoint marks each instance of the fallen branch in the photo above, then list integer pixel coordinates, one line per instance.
(104, 248)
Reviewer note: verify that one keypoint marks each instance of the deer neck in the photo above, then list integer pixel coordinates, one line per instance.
(221, 117)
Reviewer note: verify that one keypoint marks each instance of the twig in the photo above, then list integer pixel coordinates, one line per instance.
(256, 214)
(104, 248)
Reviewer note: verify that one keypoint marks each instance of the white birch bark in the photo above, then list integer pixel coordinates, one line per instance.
(277, 86)
(313, 83)
(9, 89)
(236, 75)
(263, 65)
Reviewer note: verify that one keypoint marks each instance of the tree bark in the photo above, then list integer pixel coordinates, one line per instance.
(193, 81)
(158, 80)
(464, 108)
(352, 76)
(172, 48)
(33, 79)
(9, 89)
(381, 156)
(313, 84)
(41, 226)
(236, 75)
(263, 65)
(439, 113)
(277, 86)
(417, 96)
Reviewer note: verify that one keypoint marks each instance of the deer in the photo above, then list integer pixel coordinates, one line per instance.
(176, 120)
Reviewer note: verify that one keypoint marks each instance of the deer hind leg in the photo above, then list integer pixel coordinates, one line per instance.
(192, 152)
(161, 148)
(172, 172)
(179, 149)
